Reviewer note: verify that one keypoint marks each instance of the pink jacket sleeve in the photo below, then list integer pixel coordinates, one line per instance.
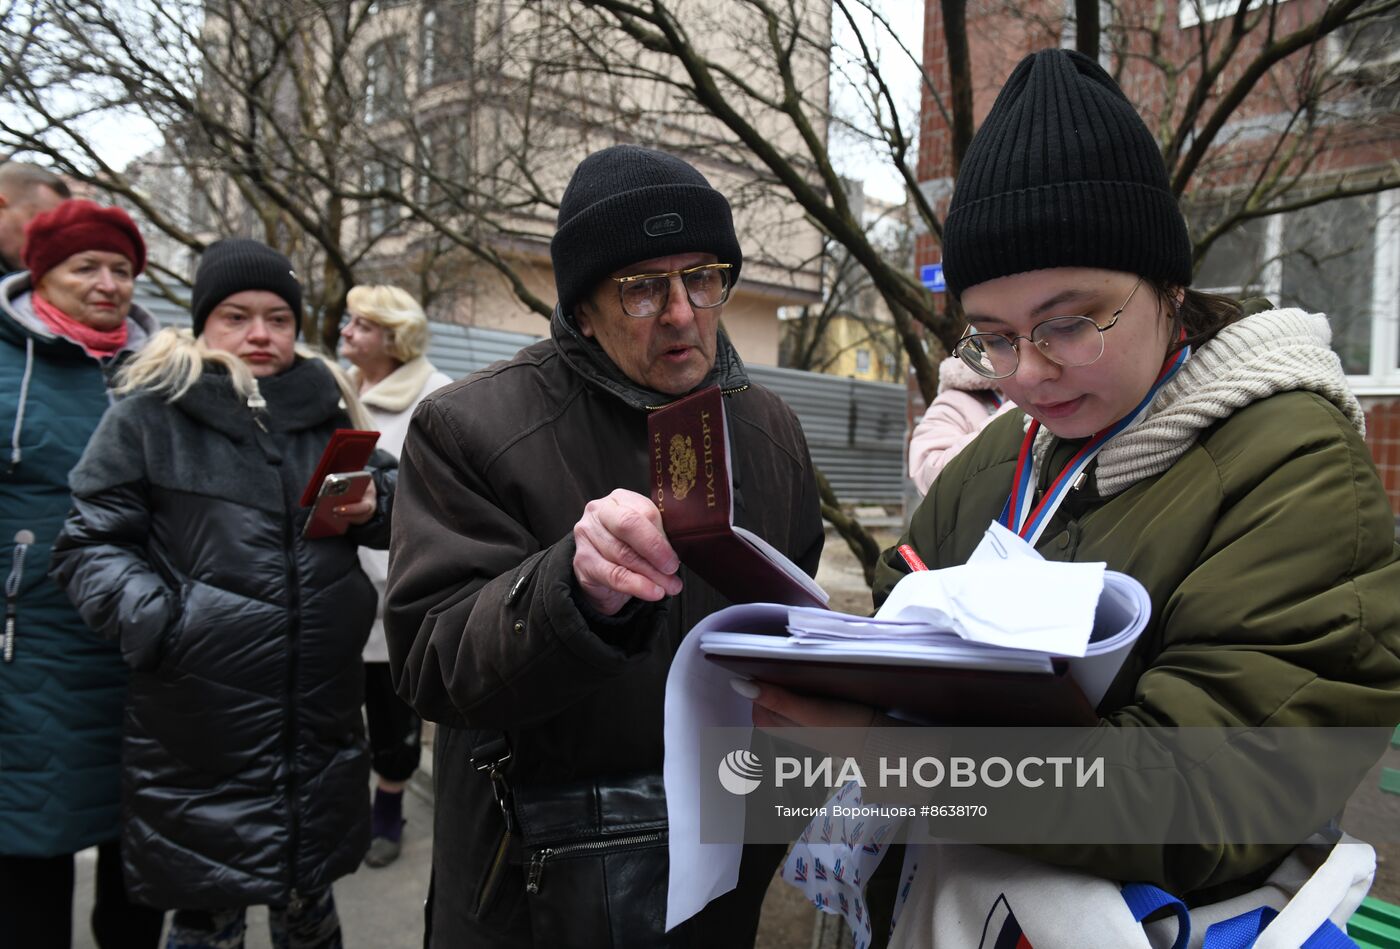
(952, 420)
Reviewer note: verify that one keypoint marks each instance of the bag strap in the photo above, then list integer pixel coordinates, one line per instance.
(1330, 936)
(489, 752)
(1237, 932)
(1144, 899)
(1241, 932)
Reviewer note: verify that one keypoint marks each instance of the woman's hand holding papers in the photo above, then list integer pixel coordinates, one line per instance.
(832, 727)
(622, 552)
(776, 707)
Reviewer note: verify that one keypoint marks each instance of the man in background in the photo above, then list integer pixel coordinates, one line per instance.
(25, 191)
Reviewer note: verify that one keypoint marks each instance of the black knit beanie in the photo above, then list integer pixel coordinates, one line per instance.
(1063, 173)
(625, 204)
(236, 264)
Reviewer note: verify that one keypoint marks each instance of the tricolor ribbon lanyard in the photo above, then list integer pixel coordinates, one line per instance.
(1018, 514)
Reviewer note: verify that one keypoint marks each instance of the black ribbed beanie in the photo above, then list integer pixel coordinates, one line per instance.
(1063, 173)
(625, 204)
(235, 264)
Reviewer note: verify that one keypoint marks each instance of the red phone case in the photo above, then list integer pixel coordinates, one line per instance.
(349, 450)
(320, 523)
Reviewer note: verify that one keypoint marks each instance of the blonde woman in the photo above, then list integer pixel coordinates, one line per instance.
(244, 760)
(384, 340)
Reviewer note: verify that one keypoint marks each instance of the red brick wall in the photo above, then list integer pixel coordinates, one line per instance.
(998, 39)
(934, 135)
(1383, 435)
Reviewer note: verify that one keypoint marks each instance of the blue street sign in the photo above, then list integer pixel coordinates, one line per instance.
(931, 276)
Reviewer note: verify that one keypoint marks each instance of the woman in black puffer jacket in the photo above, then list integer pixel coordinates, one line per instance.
(245, 770)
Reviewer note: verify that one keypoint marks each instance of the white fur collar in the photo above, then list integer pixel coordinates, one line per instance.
(399, 389)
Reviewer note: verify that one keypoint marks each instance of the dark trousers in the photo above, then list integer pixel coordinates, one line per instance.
(36, 904)
(395, 731)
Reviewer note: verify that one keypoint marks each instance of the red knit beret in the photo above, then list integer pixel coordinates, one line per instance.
(75, 226)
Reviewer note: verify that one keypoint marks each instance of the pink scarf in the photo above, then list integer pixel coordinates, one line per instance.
(96, 343)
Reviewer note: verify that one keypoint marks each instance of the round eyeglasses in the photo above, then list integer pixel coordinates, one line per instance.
(1064, 340)
(646, 295)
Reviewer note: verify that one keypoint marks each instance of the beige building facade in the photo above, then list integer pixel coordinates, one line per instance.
(480, 112)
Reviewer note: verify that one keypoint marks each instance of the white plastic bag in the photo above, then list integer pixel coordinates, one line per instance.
(964, 895)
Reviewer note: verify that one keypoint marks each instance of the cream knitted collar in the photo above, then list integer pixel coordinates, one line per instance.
(399, 389)
(1252, 359)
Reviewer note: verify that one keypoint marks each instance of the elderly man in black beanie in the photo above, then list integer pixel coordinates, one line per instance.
(534, 603)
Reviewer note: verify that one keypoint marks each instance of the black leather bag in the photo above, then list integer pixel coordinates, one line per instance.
(594, 853)
(596, 863)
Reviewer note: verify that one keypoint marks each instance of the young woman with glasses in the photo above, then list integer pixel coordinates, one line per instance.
(1215, 454)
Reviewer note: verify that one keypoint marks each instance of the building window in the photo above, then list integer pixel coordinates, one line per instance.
(444, 41)
(1190, 13)
(381, 214)
(863, 361)
(1366, 45)
(1367, 53)
(426, 193)
(384, 92)
(1328, 263)
(374, 68)
(428, 48)
(444, 161)
(1341, 258)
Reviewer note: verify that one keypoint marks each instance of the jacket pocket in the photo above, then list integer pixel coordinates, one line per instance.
(522, 576)
(596, 861)
(161, 652)
(147, 632)
(597, 892)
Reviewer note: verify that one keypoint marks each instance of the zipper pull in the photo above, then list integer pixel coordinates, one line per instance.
(532, 884)
(257, 405)
(11, 614)
(23, 539)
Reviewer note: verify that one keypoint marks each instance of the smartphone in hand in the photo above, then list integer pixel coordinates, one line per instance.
(336, 489)
(348, 450)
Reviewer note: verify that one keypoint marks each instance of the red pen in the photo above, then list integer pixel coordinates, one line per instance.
(911, 558)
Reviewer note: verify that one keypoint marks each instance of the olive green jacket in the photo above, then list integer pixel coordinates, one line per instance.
(1268, 549)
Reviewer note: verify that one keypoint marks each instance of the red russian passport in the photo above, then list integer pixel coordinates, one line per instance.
(692, 486)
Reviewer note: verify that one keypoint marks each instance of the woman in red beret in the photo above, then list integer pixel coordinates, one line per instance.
(65, 324)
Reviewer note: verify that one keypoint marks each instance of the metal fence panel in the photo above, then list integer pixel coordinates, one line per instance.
(161, 309)
(855, 430)
(461, 350)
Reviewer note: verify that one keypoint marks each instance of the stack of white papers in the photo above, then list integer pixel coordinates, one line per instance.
(872, 644)
(964, 617)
